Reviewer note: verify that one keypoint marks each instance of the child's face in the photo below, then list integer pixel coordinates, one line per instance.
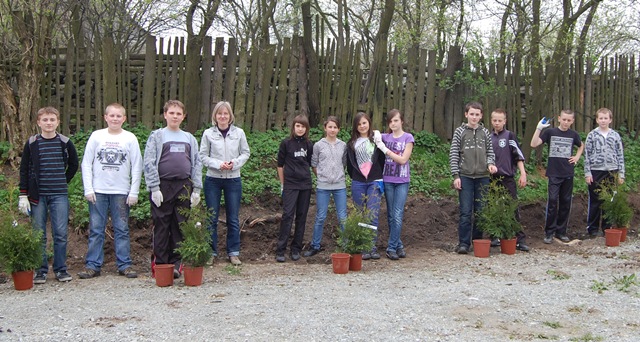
(473, 116)
(174, 116)
(603, 120)
(115, 118)
(565, 121)
(299, 129)
(331, 129)
(498, 120)
(48, 123)
(363, 127)
(395, 124)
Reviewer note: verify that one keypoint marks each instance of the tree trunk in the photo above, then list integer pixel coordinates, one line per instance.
(312, 66)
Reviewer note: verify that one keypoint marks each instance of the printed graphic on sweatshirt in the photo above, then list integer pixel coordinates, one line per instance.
(560, 147)
(111, 156)
(302, 153)
(392, 169)
(502, 143)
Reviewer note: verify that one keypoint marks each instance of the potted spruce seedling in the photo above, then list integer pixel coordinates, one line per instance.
(498, 217)
(616, 209)
(20, 250)
(195, 248)
(357, 236)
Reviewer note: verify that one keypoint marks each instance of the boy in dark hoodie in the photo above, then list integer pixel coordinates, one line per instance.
(471, 160)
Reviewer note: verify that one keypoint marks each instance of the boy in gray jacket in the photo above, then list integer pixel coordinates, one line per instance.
(172, 170)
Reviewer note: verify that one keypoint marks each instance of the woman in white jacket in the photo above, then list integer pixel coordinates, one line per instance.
(224, 150)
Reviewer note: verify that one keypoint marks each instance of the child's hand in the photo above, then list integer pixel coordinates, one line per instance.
(573, 159)
(132, 200)
(522, 181)
(457, 184)
(588, 179)
(543, 123)
(91, 197)
(493, 169)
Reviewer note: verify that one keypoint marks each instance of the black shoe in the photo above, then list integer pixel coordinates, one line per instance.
(495, 242)
(366, 256)
(63, 276)
(462, 249)
(280, 258)
(563, 238)
(375, 255)
(295, 256)
(88, 273)
(40, 278)
(401, 253)
(176, 274)
(522, 247)
(128, 272)
(392, 255)
(548, 239)
(311, 252)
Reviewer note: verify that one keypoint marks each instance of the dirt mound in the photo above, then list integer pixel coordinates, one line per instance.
(428, 224)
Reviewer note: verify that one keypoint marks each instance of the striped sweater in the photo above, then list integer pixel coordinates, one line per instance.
(471, 152)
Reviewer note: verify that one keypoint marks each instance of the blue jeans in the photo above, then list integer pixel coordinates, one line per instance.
(232, 187)
(98, 214)
(396, 195)
(470, 197)
(367, 196)
(322, 205)
(57, 206)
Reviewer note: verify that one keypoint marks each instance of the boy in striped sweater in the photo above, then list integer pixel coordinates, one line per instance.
(471, 160)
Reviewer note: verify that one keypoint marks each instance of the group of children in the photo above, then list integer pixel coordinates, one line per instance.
(477, 156)
(377, 164)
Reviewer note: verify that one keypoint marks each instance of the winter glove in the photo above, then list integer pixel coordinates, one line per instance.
(23, 205)
(195, 199)
(377, 139)
(544, 123)
(91, 197)
(132, 200)
(156, 198)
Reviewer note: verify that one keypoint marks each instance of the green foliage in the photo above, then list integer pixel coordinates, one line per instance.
(588, 337)
(497, 217)
(20, 245)
(558, 275)
(554, 325)
(599, 286)
(195, 248)
(355, 238)
(625, 282)
(5, 147)
(259, 175)
(615, 206)
(430, 172)
(233, 270)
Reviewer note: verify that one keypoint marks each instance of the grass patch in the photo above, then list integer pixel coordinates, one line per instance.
(558, 275)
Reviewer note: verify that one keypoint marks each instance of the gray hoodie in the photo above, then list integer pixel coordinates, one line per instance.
(330, 160)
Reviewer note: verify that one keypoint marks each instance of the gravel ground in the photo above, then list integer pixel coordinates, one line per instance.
(430, 296)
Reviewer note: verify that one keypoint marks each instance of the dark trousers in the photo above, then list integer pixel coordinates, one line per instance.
(510, 184)
(294, 203)
(167, 218)
(559, 196)
(594, 213)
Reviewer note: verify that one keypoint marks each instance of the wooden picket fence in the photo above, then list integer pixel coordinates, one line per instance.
(264, 85)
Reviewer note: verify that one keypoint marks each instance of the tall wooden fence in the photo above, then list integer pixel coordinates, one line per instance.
(264, 85)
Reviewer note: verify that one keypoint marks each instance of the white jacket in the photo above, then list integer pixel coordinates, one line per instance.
(215, 150)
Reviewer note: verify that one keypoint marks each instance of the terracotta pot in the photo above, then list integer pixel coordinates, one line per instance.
(612, 237)
(192, 275)
(22, 280)
(508, 246)
(355, 263)
(623, 236)
(164, 274)
(481, 248)
(340, 262)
